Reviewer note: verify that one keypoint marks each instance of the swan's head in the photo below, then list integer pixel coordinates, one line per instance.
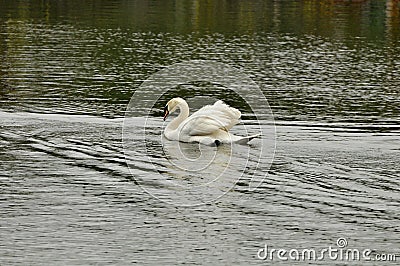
(171, 106)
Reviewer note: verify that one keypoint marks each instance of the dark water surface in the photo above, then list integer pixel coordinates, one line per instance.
(329, 69)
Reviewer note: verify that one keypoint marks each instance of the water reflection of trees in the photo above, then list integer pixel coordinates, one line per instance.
(392, 18)
(336, 18)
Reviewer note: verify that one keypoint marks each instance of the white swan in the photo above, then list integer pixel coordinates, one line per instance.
(209, 125)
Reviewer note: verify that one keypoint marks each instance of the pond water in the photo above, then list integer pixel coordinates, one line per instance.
(74, 190)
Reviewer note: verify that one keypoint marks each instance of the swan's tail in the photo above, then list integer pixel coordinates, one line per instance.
(244, 140)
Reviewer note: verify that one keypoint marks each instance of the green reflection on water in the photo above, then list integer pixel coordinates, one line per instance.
(339, 19)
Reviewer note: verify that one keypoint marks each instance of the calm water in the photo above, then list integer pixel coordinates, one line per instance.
(74, 191)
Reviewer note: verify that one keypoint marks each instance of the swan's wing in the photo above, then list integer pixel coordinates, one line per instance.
(211, 118)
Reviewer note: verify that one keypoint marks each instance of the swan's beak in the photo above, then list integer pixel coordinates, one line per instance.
(166, 112)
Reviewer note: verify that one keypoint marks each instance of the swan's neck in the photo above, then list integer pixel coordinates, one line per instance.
(183, 114)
